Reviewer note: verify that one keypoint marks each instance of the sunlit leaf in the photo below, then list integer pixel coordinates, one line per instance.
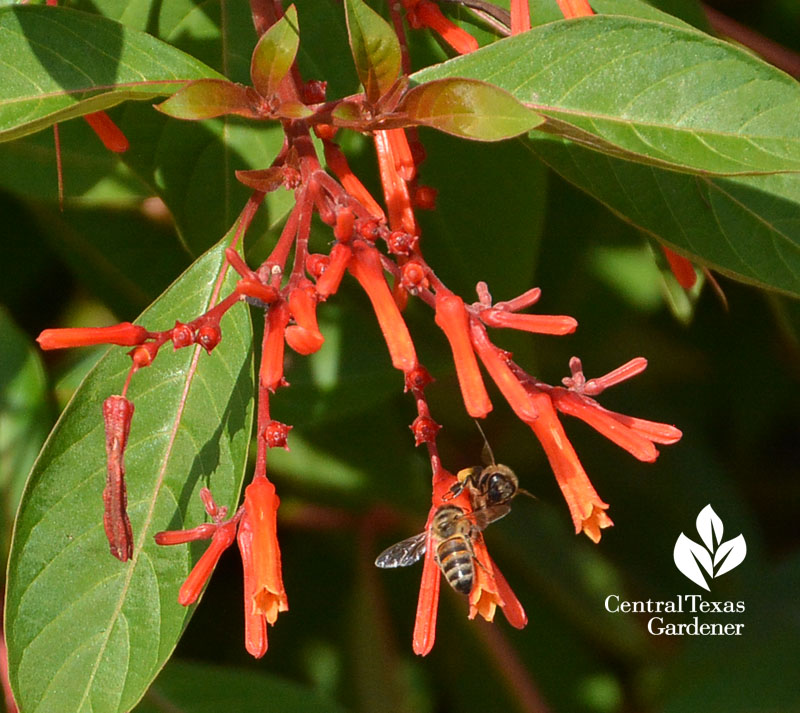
(647, 91)
(376, 50)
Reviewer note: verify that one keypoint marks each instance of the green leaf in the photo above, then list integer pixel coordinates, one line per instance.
(85, 631)
(200, 688)
(68, 63)
(647, 91)
(25, 417)
(207, 99)
(747, 228)
(375, 48)
(275, 53)
(470, 109)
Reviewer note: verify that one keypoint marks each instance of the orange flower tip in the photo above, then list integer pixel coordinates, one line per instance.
(483, 603)
(304, 341)
(269, 604)
(592, 525)
(124, 334)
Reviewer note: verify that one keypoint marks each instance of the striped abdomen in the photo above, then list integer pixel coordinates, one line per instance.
(455, 559)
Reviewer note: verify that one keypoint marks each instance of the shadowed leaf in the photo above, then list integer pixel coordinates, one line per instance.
(68, 63)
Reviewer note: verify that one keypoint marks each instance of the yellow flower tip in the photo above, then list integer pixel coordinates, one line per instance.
(269, 604)
(597, 520)
(482, 602)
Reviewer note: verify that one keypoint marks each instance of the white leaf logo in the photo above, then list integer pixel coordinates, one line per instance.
(712, 558)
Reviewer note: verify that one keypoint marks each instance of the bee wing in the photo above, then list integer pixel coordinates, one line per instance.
(485, 516)
(403, 554)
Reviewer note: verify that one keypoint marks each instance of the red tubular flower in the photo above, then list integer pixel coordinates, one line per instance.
(257, 290)
(124, 334)
(107, 131)
(304, 336)
(395, 188)
(329, 282)
(255, 625)
(338, 164)
(264, 593)
(537, 323)
(343, 229)
(681, 267)
(588, 511)
(638, 441)
(401, 151)
(496, 362)
(222, 538)
(366, 268)
(181, 537)
(451, 316)
(424, 13)
(577, 381)
(271, 372)
(520, 16)
(575, 8)
(427, 605)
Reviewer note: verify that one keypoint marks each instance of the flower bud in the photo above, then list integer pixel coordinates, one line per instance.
(208, 336)
(124, 334)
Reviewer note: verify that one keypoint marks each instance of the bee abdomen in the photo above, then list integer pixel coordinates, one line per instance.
(456, 563)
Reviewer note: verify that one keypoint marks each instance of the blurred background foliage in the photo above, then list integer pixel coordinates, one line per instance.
(353, 482)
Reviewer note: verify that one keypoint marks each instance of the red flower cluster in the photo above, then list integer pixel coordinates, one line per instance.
(382, 251)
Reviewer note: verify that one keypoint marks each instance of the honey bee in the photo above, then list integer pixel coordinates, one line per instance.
(492, 486)
(452, 533)
(491, 489)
